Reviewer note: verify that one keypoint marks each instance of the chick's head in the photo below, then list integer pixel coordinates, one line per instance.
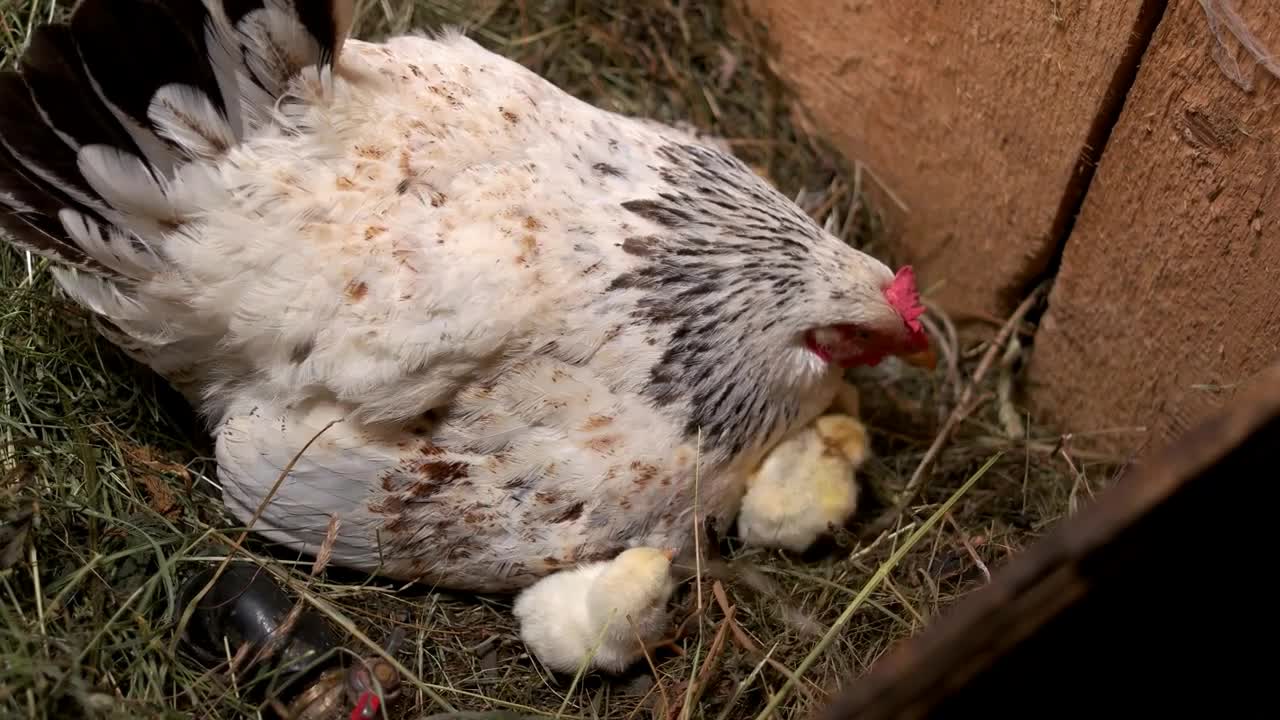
(845, 435)
(637, 584)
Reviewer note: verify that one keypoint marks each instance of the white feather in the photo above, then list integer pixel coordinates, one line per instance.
(224, 54)
(186, 116)
(126, 183)
(278, 44)
(102, 297)
(126, 255)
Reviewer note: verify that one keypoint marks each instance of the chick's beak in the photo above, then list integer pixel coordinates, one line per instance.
(670, 553)
(926, 359)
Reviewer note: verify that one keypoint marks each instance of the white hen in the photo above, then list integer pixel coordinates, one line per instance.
(531, 319)
(601, 614)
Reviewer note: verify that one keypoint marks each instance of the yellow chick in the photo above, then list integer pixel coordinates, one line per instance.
(804, 484)
(581, 615)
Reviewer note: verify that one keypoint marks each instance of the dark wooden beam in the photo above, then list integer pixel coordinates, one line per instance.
(1146, 601)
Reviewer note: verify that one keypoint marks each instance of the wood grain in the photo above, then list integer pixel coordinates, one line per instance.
(975, 113)
(1167, 300)
(1125, 599)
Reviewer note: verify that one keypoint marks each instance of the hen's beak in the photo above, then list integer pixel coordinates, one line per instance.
(926, 359)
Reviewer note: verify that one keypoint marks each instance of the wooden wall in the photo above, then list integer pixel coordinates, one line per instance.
(987, 120)
(975, 114)
(1168, 298)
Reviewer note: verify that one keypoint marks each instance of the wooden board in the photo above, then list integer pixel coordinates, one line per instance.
(975, 113)
(1147, 581)
(1168, 297)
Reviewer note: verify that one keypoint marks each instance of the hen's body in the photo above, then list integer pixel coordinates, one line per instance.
(498, 229)
(537, 322)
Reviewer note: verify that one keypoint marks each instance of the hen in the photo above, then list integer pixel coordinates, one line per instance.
(518, 332)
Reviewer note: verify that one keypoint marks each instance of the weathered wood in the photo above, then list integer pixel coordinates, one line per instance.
(1167, 298)
(977, 115)
(1153, 578)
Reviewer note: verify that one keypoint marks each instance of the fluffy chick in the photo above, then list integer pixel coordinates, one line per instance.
(564, 615)
(805, 484)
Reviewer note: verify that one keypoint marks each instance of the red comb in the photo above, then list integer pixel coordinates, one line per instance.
(366, 706)
(903, 297)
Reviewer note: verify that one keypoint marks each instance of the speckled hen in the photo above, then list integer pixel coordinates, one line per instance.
(516, 326)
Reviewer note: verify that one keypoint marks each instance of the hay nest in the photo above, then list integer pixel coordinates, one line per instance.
(111, 497)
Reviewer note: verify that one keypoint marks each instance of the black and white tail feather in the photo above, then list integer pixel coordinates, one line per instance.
(110, 131)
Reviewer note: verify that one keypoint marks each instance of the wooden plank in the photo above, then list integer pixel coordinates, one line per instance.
(1144, 581)
(975, 113)
(1167, 301)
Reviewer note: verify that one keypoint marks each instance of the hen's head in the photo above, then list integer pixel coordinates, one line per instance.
(754, 307)
(866, 323)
